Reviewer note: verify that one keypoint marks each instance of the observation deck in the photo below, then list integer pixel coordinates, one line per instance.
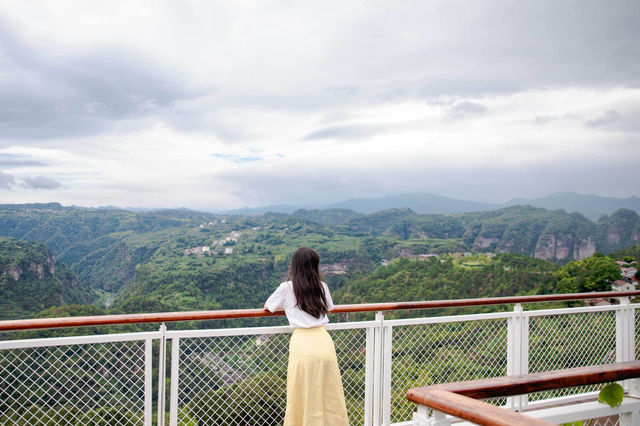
(234, 376)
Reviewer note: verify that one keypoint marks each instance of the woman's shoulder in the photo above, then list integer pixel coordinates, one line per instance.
(286, 285)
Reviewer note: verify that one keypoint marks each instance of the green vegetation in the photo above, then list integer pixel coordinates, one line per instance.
(628, 254)
(31, 280)
(595, 273)
(612, 394)
(450, 278)
(259, 397)
(152, 262)
(142, 262)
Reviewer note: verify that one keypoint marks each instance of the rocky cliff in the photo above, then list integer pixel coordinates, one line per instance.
(32, 280)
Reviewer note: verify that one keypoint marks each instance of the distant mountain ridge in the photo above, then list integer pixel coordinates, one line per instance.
(591, 206)
(423, 202)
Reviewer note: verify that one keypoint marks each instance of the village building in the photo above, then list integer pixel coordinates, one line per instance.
(622, 285)
(427, 256)
(628, 273)
(197, 251)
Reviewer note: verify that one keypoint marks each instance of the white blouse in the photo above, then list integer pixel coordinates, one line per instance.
(284, 298)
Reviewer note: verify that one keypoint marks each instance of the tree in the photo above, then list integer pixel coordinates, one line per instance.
(594, 273)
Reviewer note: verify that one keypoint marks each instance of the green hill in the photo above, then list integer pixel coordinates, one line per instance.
(477, 276)
(627, 254)
(32, 280)
(550, 235)
(450, 278)
(180, 259)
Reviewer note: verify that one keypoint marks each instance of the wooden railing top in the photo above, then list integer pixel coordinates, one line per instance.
(459, 398)
(40, 323)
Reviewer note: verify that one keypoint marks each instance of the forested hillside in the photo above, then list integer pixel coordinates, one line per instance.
(450, 278)
(32, 280)
(476, 276)
(551, 235)
(180, 259)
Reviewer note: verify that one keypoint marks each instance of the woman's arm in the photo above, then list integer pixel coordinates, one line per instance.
(275, 302)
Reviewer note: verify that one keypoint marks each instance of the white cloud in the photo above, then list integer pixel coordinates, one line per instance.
(216, 105)
(41, 182)
(6, 181)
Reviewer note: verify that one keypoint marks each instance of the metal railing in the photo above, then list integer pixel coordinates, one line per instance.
(238, 376)
(459, 399)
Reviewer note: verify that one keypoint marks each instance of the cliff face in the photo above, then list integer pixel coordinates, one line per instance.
(564, 247)
(586, 247)
(31, 280)
(34, 269)
(620, 230)
(552, 247)
(555, 236)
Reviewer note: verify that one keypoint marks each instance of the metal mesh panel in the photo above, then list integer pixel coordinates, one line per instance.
(606, 421)
(569, 341)
(636, 313)
(351, 350)
(73, 384)
(445, 352)
(241, 380)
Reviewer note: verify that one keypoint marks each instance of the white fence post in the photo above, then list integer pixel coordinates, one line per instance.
(377, 369)
(369, 376)
(514, 348)
(631, 328)
(518, 352)
(524, 352)
(387, 344)
(173, 392)
(622, 331)
(148, 385)
(162, 369)
(625, 334)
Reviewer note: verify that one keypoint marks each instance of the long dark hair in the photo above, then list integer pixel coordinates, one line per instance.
(307, 282)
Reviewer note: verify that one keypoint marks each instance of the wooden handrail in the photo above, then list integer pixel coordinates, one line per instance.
(40, 323)
(459, 398)
(477, 411)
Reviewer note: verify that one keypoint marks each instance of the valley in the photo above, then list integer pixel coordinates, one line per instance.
(172, 260)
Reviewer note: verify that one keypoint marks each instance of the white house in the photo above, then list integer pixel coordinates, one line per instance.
(622, 285)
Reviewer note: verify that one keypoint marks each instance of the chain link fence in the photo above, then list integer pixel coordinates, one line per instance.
(569, 341)
(92, 383)
(429, 354)
(238, 376)
(241, 379)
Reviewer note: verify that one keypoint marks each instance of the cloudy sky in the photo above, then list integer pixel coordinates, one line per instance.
(215, 105)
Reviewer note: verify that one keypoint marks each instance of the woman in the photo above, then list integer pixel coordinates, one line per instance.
(314, 388)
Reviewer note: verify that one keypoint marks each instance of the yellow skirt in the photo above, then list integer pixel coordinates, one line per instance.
(314, 388)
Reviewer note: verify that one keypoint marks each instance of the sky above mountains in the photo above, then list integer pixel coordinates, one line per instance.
(214, 105)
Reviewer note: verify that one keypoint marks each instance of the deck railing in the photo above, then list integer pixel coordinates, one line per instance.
(460, 399)
(237, 376)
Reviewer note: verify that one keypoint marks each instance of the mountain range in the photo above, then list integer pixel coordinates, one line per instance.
(591, 206)
(170, 260)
